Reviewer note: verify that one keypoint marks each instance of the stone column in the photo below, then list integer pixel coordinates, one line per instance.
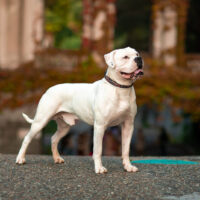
(103, 29)
(168, 41)
(10, 33)
(169, 36)
(99, 35)
(87, 25)
(3, 31)
(32, 28)
(111, 17)
(21, 31)
(98, 28)
(157, 34)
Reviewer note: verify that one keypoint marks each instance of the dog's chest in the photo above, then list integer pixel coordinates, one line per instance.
(118, 112)
(121, 107)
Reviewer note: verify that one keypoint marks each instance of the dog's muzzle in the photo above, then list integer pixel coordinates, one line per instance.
(139, 62)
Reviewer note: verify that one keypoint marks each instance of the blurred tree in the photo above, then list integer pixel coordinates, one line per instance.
(63, 18)
(193, 27)
(133, 26)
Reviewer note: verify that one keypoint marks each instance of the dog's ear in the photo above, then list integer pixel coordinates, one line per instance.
(109, 58)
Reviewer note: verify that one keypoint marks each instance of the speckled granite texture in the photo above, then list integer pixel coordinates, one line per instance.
(40, 178)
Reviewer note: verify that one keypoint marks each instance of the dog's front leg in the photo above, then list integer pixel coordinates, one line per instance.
(127, 131)
(97, 148)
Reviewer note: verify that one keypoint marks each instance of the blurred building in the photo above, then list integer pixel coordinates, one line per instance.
(23, 35)
(22, 30)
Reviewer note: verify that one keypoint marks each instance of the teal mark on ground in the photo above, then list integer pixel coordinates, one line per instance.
(165, 162)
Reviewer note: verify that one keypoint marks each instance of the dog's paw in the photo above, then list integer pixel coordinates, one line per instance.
(59, 160)
(20, 160)
(100, 170)
(130, 168)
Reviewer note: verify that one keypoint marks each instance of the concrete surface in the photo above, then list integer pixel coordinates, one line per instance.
(40, 178)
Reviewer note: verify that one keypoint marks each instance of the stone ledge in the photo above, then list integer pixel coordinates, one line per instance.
(40, 178)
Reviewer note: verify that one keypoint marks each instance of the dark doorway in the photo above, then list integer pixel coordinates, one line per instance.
(133, 26)
(193, 27)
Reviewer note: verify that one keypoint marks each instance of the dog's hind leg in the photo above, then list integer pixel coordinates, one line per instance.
(36, 127)
(43, 115)
(62, 130)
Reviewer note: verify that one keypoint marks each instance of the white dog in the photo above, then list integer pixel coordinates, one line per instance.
(108, 102)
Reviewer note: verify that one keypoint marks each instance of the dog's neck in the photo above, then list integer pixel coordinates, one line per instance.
(115, 76)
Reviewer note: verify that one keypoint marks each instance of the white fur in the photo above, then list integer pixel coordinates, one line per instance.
(27, 118)
(100, 104)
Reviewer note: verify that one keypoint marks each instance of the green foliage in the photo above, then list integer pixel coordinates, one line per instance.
(67, 39)
(63, 19)
(50, 128)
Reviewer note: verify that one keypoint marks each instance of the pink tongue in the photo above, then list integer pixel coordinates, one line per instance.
(138, 71)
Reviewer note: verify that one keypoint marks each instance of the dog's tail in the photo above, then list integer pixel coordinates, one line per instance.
(27, 118)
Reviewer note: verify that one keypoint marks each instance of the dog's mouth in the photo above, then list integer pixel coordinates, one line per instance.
(135, 74)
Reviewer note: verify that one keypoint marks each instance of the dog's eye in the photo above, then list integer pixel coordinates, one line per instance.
(126, 57)
(137, 54)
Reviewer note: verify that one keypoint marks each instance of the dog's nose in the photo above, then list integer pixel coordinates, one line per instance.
(138, 60)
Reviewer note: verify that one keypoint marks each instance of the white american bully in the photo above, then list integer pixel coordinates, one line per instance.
(108, 102)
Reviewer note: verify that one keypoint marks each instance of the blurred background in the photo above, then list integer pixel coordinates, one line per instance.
(47, 42)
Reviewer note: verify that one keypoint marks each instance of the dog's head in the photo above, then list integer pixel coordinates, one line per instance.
(127, 62)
